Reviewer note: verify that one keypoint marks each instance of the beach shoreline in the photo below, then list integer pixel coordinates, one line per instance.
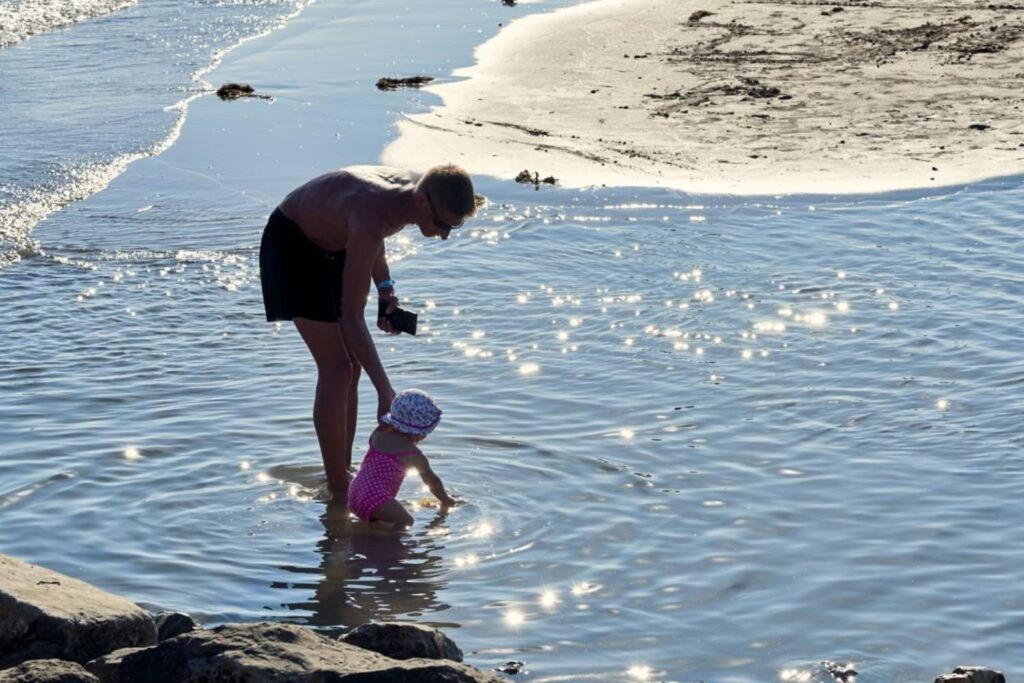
(738, 98)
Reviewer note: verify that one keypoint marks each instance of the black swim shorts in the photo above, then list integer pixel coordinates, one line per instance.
(300, 280)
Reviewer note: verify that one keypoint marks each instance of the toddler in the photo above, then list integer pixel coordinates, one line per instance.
(393, 451)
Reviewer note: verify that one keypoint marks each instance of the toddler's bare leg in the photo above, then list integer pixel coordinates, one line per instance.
(393, 512)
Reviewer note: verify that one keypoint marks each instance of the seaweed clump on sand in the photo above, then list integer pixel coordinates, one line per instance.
(527, 178)
(396, 83)
(235, 91)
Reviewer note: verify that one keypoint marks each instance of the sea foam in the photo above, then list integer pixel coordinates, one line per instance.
(23, 18)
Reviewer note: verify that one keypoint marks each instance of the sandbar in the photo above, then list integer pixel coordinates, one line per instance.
(761, 97)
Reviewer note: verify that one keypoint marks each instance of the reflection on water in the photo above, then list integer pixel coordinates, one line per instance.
(371, 572)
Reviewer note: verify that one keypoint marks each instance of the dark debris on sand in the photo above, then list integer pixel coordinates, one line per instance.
(236, 91)
(396, 83)
(527, 178)
(747, 89)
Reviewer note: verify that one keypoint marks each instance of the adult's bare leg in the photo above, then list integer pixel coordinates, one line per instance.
(330, 407)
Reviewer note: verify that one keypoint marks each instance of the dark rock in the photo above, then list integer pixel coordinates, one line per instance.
(234, 91)
(47, 671)
(508, 3)
(698, 15)
(269, 652)
(840, 672)
(512, 668)
(972, 674)
(979, 126)
(44, 614)
(170, 624)
(824, 672)
(395, 83)
(400, 640)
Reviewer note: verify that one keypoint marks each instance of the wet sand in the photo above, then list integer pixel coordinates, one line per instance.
(738, 97)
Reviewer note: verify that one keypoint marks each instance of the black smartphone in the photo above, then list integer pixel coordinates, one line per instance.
(401, 320)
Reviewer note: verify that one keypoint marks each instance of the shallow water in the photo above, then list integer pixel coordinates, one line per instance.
(699, 438)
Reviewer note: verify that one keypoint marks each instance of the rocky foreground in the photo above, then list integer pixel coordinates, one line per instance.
(56, 629)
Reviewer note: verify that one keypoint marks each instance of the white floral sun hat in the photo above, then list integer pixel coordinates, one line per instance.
(413, 412)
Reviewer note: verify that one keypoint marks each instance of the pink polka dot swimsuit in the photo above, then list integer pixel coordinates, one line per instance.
(378, 480)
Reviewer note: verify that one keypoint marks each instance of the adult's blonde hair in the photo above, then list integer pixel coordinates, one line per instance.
(450, 188)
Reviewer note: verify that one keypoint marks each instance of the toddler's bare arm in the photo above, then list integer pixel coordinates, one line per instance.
(431, 479)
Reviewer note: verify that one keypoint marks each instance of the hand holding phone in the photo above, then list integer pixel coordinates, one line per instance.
(400, 319)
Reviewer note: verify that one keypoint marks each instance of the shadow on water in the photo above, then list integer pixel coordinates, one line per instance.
(370, 572)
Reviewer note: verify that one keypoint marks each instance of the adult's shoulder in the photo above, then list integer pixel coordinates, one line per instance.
(386, 177)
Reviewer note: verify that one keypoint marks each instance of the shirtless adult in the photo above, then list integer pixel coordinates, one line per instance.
(321, 248)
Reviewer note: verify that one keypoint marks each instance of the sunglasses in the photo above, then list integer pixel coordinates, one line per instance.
(438, 223)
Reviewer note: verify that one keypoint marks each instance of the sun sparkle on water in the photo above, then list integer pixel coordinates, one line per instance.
(515, 617)
(815, 319)
(548, 598)
(529, 369)
(467, 560)
(584, 588)
(483, 530)
(639, 672)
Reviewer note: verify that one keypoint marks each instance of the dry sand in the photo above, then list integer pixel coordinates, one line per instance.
(738, 97)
